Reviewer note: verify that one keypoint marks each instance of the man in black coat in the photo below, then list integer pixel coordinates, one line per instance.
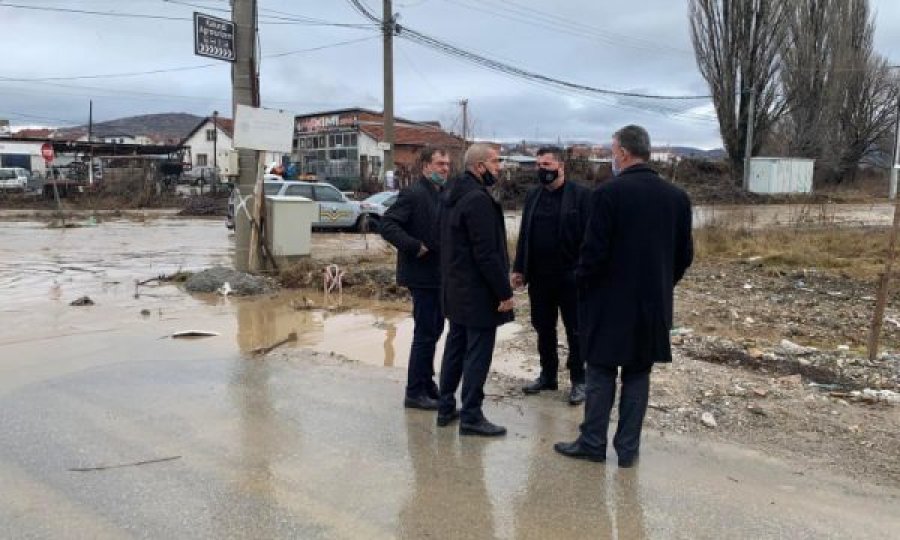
(637, 248)
(475, 291)
(553, 223)
(409, 225)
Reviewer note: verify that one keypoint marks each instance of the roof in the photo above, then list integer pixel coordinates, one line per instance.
(225, 124)
(413, 134)
(42, 133)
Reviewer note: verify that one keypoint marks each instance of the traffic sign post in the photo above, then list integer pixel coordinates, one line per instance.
(47, 152)
(214, 37)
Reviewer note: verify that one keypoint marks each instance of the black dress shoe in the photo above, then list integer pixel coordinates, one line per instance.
(422, 402)
(482, 429)
(629, 462)
(444, 420)
(433, 392)
(575, 450)
(538, 385)
(578, 394)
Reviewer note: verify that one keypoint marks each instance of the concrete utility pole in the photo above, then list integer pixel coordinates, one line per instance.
(90, 142)
(465, 122)
(895, 158)
(387, 29)
(748, 149)
(244, 91)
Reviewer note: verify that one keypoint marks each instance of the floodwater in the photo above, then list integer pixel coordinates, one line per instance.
(111, 429)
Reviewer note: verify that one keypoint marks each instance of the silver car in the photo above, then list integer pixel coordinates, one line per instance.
(336, 211)
(14, 179)
(376, 205)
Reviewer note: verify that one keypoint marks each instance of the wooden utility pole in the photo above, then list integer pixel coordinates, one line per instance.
(244, 91)
(387, 30)
(885, 281)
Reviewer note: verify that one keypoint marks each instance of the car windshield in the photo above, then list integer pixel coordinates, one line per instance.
(379, 198)
(7, 174)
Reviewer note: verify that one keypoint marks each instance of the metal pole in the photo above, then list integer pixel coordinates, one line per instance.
(388, 32)
(748, 149)
(215, 180)
(91, 143)
(465, 122)
(243, 89)
(896, 156)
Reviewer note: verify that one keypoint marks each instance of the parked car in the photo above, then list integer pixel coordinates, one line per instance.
(376, 205)
(335, 210)
(14, 179)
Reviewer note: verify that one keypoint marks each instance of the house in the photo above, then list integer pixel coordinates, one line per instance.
(346, 147)
(206, 140)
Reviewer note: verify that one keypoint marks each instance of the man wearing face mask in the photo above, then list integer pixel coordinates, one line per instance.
(476, 293)
(552, 228)
(409, 226)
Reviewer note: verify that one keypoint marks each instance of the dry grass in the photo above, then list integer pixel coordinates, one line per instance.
(853, 252)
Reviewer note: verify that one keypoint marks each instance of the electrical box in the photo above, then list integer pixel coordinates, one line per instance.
(227, 160)
(289, 221)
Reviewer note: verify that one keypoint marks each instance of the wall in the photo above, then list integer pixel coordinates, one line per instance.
(31, 149)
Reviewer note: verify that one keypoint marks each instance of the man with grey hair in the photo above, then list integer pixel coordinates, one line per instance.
(637, 247)
(475, 290)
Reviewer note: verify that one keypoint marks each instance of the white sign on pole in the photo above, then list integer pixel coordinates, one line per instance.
(263, 129)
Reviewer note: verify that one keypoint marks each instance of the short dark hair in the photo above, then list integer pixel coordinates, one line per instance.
(557, 152)
(427, 154)
(635, 140)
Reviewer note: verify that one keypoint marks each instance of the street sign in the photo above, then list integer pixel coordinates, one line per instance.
(47, 152)
(213, 37)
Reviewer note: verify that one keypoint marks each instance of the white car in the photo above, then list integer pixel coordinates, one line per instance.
(14, 179)
(336, 211)
(376, 205)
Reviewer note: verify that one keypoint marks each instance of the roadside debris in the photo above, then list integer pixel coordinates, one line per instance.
(239, 284)
(83, 301)
(184, 334)
(291, 338)
(708, 420)
(123, 465)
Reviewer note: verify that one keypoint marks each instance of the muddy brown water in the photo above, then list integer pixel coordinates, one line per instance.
(43, 269)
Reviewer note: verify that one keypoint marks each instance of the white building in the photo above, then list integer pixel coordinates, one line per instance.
(205, 140)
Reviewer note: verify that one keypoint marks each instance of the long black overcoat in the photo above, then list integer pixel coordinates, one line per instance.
(638, 245)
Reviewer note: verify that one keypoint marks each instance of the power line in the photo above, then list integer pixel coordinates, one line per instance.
(181, 68)
(452, 50)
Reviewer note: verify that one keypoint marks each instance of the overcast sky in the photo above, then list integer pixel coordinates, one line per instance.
(639, 45)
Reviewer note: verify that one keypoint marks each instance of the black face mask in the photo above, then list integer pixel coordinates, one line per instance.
(546, 176)
(488, 178)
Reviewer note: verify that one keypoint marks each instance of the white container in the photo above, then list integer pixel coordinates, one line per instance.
(289, 221)
(781, 175)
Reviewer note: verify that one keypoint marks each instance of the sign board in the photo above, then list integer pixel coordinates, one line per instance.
(5, 131)
(384, 145)
(213, 37)
(263, 129)
(47, 152)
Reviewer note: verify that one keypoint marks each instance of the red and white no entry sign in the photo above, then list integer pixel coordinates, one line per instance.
(47, 152)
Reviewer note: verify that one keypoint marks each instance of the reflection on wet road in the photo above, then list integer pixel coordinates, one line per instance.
(303, 445)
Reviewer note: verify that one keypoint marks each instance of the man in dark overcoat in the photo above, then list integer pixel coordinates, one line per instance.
(409, 225)
(475, 290)
(553, 223)
(637, 247)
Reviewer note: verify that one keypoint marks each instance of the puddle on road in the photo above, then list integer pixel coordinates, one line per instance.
(43, 269)
(370, 332)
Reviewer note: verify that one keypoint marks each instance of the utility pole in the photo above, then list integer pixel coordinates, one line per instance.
(244, 91)
(748, 149)
(465, 122)
(91, 142)
(388, 32)
(895, 158)
(215, 180)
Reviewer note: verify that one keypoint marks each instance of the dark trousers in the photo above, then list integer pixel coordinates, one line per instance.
(428, 325)
(550, 295)
(601, 393)
(467, 357)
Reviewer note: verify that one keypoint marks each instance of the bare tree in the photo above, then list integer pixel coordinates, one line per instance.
(738, 44)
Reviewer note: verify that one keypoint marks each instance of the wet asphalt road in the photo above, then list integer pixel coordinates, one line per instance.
(302, 445)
